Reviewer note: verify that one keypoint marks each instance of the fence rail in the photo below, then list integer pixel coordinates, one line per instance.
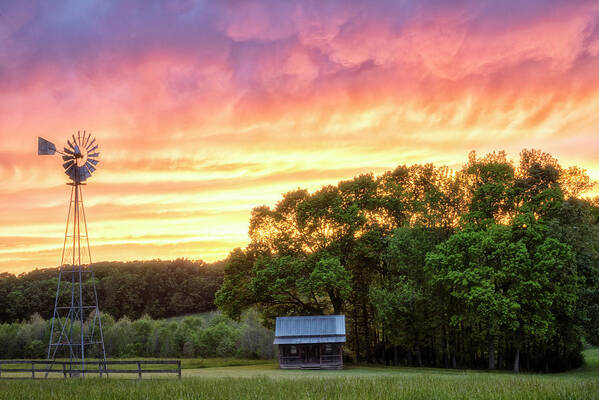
(73, 369)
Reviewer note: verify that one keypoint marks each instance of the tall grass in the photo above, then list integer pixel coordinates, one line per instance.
(217, 380)
(491, 386)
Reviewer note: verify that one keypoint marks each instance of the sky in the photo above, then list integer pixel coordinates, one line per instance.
(206, 109)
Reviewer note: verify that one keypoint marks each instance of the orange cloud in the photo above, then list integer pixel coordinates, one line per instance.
(205, 110)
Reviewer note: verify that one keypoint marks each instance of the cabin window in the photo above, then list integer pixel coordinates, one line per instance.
(328, 348)
(292, 350)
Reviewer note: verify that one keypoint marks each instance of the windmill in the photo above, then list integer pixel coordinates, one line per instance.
(76, 323)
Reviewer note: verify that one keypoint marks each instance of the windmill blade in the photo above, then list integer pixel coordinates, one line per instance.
(73, 173)
(83, 173)
(91, 143)
(45, 147)
(69, 170)
(71, 146)
(80, 146)
(86, 139)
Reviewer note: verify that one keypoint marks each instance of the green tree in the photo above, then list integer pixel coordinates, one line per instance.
(491, 264)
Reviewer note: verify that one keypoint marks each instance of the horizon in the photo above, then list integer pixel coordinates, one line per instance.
(204, 111)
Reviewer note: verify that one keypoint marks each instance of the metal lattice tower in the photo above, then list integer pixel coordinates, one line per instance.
(76, 325)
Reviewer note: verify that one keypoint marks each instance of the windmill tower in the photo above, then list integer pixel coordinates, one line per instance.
(76, 324)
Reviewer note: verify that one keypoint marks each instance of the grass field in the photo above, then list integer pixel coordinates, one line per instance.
(260, 381)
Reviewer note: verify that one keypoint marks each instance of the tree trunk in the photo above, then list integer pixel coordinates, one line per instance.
(447, 354)
(456, 349)
(356, 337)
(418, 355)
(471, 350)
(517, 360)
(528, 355)
(491, 352)
(336, 302)
(385, 346)
(367, 331)
(395, 362)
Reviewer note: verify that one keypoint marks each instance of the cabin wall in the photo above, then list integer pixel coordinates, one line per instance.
(314, 355)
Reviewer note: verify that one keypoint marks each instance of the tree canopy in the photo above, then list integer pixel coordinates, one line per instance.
(494, 265)
(157, 288)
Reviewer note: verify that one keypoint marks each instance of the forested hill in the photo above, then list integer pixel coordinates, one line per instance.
(157, 288)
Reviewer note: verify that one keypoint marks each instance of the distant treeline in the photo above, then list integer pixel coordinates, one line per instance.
(160, 289)
(211, 335)
(495, 265)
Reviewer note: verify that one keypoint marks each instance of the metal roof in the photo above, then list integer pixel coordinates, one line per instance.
(310, 329)
(310, 339)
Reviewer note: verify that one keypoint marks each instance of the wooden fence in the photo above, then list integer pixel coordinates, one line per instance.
(73, 369)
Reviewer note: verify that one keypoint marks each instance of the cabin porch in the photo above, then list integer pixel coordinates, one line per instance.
(311, 356)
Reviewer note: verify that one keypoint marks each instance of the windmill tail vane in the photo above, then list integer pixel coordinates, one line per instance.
(45, 148)
(76, 331)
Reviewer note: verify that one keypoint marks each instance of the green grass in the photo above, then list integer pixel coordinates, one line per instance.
(215, 380)
(591, 363)
(193, 363)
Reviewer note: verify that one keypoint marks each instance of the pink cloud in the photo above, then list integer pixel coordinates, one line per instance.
(228, 104)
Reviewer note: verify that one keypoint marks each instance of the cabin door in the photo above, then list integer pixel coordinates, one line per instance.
(312, 354)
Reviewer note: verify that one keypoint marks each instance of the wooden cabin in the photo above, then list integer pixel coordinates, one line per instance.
(310, 342)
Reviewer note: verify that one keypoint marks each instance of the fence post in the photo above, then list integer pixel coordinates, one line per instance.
(32, 369)
(139, 369)
(179, 367)
(64, 370)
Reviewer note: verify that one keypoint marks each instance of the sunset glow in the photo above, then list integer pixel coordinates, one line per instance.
(204, 110)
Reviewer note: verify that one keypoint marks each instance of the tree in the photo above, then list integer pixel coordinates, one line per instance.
(402, 297)
(476, 267)
(235, 294)
(576, 225)
(495, 263)
(158, 288)
(490, 182)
